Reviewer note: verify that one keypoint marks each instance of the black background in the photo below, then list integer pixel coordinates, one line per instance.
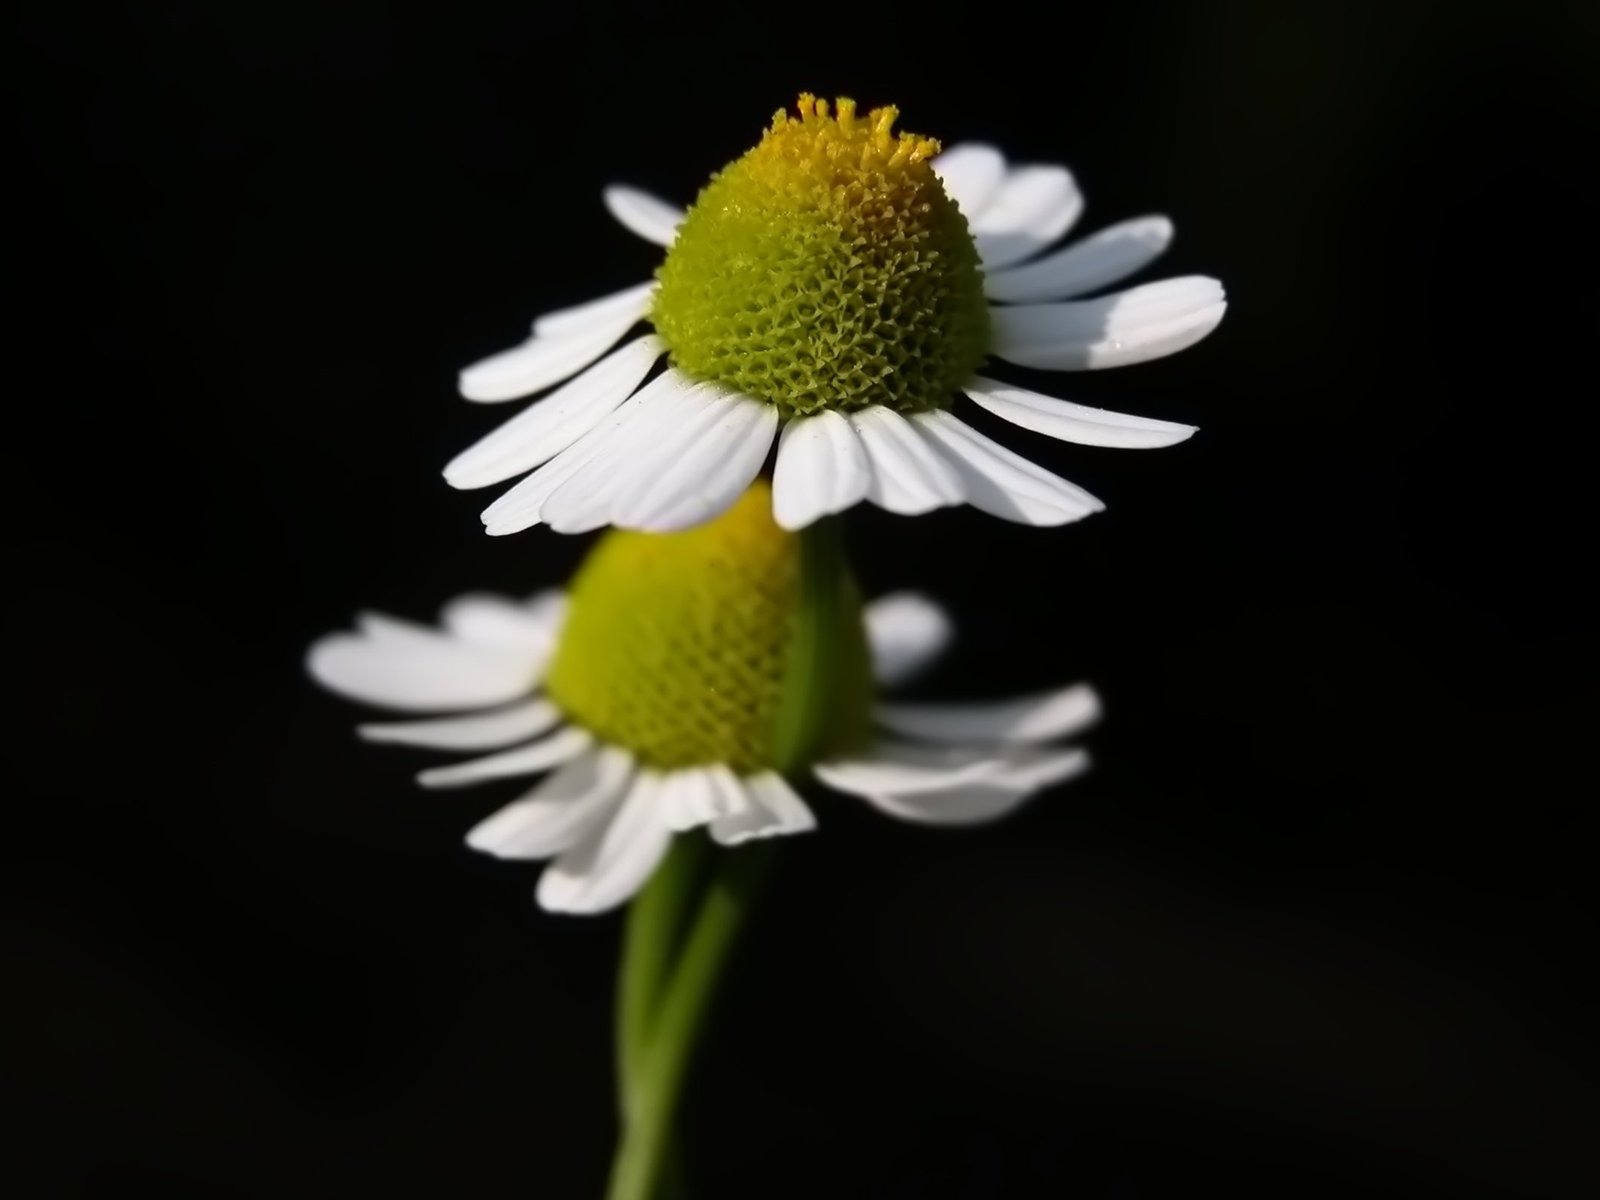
(1315, 926)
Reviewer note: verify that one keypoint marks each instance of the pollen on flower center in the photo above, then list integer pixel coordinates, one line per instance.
(675, 646)
(826, 268)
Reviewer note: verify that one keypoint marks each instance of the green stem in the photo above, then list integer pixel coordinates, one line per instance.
(680, 1019)
(660, 1016)
(654, 931)
(804, 715)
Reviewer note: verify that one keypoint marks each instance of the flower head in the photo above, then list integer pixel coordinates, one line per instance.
(826, 271)
(654, 693)
(837, 288)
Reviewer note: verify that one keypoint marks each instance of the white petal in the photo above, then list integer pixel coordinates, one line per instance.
(1003, 483)
(488, 731)
(822, 469)
(971, 173)
(529, 626)
(549, 426)
(973, 802)
(773, 792)
(1100, 259)
(908, 475)
(396, 631)
(688, 798)
(904, 769)
(549, 358)
(589, 498)
(1036, 769)
(771, 808)
(729, 795)
(606, 868)
(522, 505)
(548, 606)
(1034, 206)
(1026, 719)
(700, 469)
(651, 218)
(538, 756)
(1142, 323)
(592, 314)
(419, 670)
(573, 802)
(1073, 422)
(905, 632)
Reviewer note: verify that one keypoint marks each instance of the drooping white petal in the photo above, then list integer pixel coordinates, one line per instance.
(773, 792)
(1134, 326)
(1025, 719)
(416, 669)
(569, 805)
(549, 607)
(1034, 207)
(905, 632)
(970, 801)
(739, 817)
(729, 795)
(522, 505)
(1032, 769)
(593, 314)
(1073, 422)
(606, 868)
(696, 471)
(587, 499)
(538, 756)
(486, 731)
(688, 798)
(549, 426)
(904, 768)
(822, 469)
(548, 358)
(1000, 482)
(907, 475)
(971, 173)
(530, 625)
(1096, 261)
(972, 804)
(640, 213)
(769, 808)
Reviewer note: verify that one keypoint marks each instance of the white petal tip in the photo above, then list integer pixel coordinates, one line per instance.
(458, 479)
(1182, 433)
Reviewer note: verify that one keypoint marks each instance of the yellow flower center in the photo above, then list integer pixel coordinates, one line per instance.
(826, 268)
(677, 646)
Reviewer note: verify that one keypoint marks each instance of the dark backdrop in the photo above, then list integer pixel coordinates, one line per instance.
(1313, 928)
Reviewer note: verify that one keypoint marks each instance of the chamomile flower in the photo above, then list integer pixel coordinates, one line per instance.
(654, 693)
(836, 289)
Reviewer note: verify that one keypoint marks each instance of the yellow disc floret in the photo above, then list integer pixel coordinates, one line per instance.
(827, 268)
(676, 646)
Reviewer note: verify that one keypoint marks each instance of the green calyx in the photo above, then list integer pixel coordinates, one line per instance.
(826, 269)
(682, 648)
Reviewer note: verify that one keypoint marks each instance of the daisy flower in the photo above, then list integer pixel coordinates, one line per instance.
(654, 693)
(836, 289)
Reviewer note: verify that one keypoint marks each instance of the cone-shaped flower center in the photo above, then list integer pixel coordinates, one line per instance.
(826, 269)
(678, 646)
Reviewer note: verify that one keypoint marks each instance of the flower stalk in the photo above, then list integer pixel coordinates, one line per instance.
(671, 961)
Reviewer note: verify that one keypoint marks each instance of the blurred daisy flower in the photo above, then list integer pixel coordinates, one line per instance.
(835, 289)
(660, 694)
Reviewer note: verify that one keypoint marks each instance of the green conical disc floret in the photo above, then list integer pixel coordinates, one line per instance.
(826, 269)
(678, 647)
